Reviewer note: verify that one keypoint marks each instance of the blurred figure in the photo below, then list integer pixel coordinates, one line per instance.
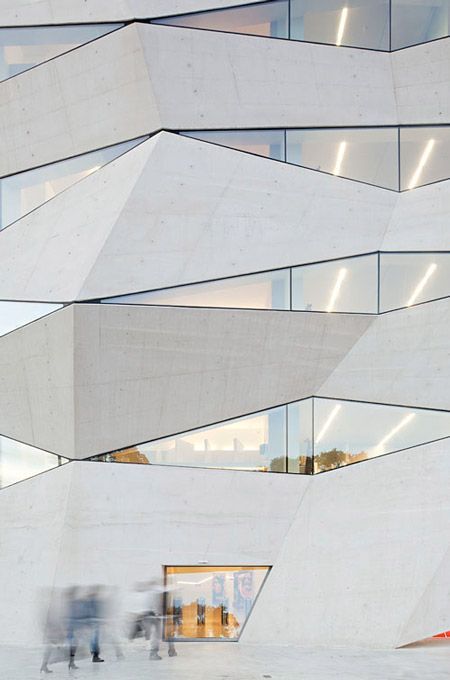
(75, 620)
(147, 615)
(93, 615)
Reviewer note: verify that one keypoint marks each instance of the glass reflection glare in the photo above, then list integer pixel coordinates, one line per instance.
(19, 461)
(424, 155)
(264, 19)
(24, 47)
(267, 143)
(25, 191)
(258, 291)
(412, 278)
(210, 602)
(345, 432)
(16, 314)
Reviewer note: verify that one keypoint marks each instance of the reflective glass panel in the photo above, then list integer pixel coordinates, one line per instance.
(424, 155)
(359, 23)
(256, 442)
(347, 285)
(20, 461)
(367, 154)
(300, 437)
(210, 602)
(268, 143)
(265, 19)
(22, 193)
(407, 279)
(418, 21)
(16, 314)
(346, 432)
(25, 47)
(259, 291)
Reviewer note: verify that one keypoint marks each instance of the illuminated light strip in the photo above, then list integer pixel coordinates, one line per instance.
(425, 156)
(421, 285)
(328, 422)
(407, 419)
(340, 158)
(341, 27)
(337, 287)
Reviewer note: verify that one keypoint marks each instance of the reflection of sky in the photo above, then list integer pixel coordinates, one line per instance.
(16, 314)
(19, 461)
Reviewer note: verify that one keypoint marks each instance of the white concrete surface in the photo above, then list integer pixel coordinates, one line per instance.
(402, 358)
(93, 378)
(354, 551)
(212, 212)
(366, 543)
(209, 661)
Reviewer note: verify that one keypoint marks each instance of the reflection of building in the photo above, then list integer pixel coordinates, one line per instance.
(224, 254)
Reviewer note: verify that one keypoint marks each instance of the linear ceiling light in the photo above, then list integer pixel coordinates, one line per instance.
(421, 285)
(341, 27)
(339, 158)
(424, 158)
(337, 287)
(407, 419)
(328, 422)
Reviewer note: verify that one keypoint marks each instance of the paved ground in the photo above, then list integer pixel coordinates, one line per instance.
(228, 661)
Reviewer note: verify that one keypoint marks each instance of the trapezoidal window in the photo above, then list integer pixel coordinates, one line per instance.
(24, 47)
(210, 602)
(26, 191)
(20, 461)
(16, 314)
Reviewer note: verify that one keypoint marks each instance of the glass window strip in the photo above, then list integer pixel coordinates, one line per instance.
(380, 25)
(313, 435)
(19, 461)
(372, 283)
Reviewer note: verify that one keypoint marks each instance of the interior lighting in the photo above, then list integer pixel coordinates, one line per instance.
(328, 422)
(421, 285)
(339, 158)
(423, 160)
(341, 27)
(337, 287)
(404, 421)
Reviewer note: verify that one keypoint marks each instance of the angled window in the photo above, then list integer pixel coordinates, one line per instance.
(25, 191)
(257, 291)
(305, 437)
(424, 155)
(365, 154)
(268, 143)
(346, 285)
(354, 23)
(256, 442)
(210, 602)
(346, 432)
(16, 314)
(408, 279)
(419, 21)
(24, 47)
(19, 461)
(268, 19)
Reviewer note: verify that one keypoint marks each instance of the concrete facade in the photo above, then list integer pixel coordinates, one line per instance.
(359, 555)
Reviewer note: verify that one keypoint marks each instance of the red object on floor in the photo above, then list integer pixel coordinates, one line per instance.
(443, 635)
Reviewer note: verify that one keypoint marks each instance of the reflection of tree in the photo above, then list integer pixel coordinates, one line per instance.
(327, 460)
(300, 465)
(132, 455)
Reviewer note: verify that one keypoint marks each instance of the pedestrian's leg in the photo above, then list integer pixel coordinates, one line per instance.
(155, 636)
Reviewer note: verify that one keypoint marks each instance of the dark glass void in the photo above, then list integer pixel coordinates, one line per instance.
(364, 284)
(305, 437)
(371, 24)
(396, 158)
(25, 191)
(211, 603)
(22, 48)
(20, 461)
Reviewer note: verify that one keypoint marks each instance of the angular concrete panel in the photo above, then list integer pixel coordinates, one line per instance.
(211, 212)
(364, 543)
(403, 358)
